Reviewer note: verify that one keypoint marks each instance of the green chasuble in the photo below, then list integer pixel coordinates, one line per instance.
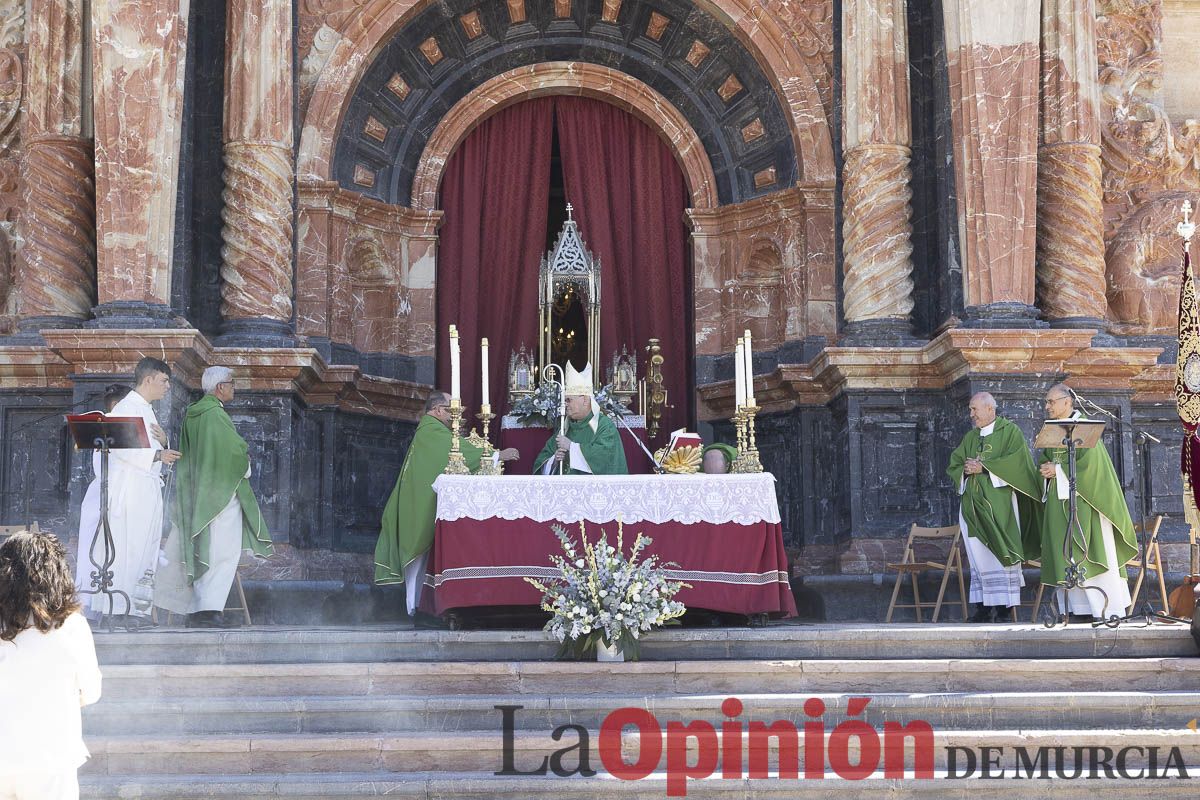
(408, 517)
(1097, 492)
(988, 509)
(602, 447)
(211, 471)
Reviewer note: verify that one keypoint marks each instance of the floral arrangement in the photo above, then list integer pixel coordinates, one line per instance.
(604, 596)
(540, 407)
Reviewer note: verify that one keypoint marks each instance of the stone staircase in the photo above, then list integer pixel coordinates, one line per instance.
(334, 713)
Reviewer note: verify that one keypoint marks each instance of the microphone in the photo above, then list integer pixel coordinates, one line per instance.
(620, 418)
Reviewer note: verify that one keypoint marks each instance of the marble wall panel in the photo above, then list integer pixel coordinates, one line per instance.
(137, 71)
(993, 64)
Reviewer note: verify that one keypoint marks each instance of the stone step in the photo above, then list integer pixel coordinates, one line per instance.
(389, 713)
(137, 681)
(277, 645)
(482, 751)
(444, 786)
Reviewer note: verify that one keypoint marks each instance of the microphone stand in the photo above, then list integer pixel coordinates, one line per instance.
(1141, 456)
(621, 419)
(1073, 576)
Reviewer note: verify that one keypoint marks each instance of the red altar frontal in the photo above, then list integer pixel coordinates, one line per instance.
(722, 532)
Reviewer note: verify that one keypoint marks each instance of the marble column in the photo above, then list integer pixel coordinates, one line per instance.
(1070, 229)
(139, 50)
(56, 275)
(877, 143)
(992, 64)
(256, 267)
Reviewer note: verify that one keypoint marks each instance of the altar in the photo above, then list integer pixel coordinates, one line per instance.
(722, 533)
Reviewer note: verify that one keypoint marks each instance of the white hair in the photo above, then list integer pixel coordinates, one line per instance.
(213, 377)
(986, 398)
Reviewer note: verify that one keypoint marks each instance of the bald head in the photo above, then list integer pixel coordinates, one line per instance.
(983, 409)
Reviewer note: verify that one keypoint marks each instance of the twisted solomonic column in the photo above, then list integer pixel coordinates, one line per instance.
(877, 233)
(256, 255)
(56, 274)
(1070, 246)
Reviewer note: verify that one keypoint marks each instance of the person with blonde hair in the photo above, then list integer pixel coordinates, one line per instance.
(48, 670)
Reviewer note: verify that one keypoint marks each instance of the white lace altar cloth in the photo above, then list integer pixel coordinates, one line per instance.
(688, 499)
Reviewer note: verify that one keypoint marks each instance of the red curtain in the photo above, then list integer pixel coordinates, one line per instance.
(629, 198)
(495, 194)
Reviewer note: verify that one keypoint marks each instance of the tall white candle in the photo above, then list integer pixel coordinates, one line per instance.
(455, 394)
(749, 370)
(739, 372)
(484, 369)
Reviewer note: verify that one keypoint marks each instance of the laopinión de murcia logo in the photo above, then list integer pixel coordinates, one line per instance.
(737, 748)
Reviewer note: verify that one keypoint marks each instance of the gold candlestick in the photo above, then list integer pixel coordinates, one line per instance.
(486, 465)
(747, 460)
(456, 465)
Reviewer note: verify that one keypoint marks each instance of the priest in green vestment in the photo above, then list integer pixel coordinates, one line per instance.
(592, 443)
(1107, 540)
(1001, 494)
(718, 458)
(408, 518)
(215, 514)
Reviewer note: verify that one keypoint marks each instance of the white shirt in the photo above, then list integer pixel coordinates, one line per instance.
(134, 405)
(44, 679)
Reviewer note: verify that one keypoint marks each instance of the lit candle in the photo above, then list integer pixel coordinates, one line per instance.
(487, 406)
(749, 371)
(739, 372)
(454, 393)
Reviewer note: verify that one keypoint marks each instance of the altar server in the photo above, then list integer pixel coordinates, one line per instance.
(592, 443)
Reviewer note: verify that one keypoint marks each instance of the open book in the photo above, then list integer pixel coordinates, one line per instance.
(679, 438)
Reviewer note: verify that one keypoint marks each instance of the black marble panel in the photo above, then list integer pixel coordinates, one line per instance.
(35, 459)
(584, 37)
(196, 265)
(367, 457)
(937, 267)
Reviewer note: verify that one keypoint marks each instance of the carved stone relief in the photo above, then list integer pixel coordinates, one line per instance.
(1150, 162)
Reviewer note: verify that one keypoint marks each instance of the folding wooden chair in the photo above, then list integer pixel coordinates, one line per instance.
(1153, 564)
(929, 541)
(241, 595)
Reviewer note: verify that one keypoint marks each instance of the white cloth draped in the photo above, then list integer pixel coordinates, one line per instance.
(741, 499)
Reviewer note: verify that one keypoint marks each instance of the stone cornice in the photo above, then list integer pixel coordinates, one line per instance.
(955, 354)
(299, 370)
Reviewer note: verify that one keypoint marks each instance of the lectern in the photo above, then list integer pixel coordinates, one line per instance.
(96, 431)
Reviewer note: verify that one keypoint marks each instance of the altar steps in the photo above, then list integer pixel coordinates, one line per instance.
(283, 645)
(145, 682)
(407, 754)
(337, 713)
(458, 786)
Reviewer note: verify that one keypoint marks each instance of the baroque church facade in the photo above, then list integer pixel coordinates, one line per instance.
(904, 202)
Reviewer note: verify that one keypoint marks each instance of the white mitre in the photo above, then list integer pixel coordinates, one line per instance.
(576, 382)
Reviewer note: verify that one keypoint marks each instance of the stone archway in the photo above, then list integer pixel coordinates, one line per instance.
(585, 80)
(782, 54)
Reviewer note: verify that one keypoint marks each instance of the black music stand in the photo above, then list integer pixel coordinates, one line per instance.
(1073, 434)
(95, 431)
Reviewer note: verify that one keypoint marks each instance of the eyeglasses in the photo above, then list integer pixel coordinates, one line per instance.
(1050, 400)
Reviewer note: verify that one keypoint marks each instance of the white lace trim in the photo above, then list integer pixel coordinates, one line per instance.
(688, 499)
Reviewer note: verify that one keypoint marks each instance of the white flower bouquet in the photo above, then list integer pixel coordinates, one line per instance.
(604, 596)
